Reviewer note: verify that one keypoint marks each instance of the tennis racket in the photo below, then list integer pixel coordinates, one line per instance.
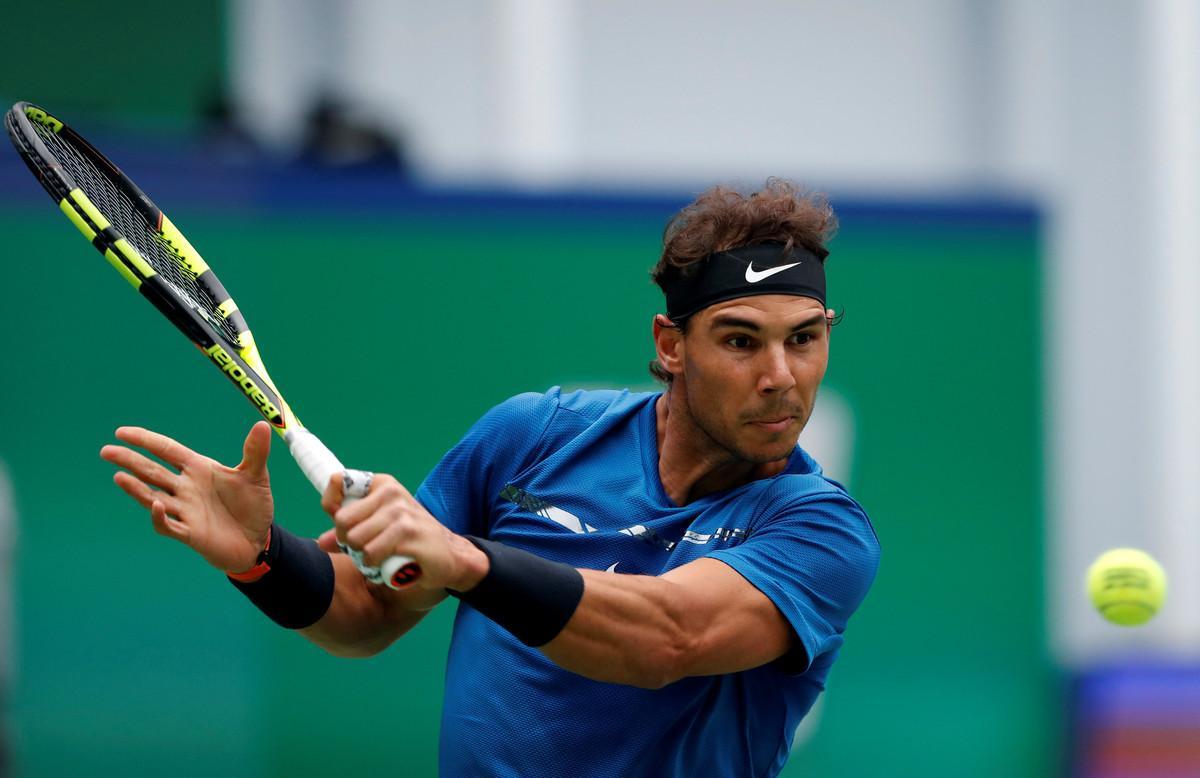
(149, 252)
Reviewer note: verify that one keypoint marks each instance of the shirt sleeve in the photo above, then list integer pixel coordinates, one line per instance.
(815, 557)
(459, 489)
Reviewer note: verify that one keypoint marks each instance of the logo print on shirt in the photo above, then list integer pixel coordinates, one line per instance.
(754, 276)
(528, 502)
(648, 535)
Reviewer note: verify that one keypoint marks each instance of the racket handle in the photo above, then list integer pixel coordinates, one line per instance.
(319, 464)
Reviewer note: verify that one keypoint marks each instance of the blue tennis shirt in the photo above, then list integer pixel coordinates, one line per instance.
(574, 478)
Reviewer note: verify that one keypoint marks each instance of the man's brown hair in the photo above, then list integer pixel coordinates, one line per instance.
(723, 218)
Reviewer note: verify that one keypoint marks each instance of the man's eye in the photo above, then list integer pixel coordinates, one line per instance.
(802, 338)
(739, 341)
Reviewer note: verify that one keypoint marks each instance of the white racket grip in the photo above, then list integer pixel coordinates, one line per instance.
(319, 464)
(316, 461)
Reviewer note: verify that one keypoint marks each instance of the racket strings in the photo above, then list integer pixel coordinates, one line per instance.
(133, 225)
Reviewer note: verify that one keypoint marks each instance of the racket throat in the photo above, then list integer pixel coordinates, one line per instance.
(256, 390)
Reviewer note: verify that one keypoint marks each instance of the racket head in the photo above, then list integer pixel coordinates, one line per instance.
(146, 248)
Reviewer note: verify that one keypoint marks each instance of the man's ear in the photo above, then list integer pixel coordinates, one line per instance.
(668, 342)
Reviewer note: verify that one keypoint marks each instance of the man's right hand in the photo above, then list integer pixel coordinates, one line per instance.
(223, 513)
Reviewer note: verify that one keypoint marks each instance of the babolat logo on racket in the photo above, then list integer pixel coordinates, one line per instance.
(243, 379)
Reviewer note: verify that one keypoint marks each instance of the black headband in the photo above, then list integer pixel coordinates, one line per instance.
(763, 268)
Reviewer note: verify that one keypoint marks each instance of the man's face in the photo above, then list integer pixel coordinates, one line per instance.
(751, 368)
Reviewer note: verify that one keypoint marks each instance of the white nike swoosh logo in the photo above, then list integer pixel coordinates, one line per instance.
(754, 276)
(612, 568)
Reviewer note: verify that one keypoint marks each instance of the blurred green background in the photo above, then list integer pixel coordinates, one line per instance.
(134, 658)
(140, 60)
(134, 654)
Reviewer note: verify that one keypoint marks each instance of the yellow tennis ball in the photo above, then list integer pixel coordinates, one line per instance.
(1127, 586)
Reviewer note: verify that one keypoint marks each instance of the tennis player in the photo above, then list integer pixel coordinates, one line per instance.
(651, 584)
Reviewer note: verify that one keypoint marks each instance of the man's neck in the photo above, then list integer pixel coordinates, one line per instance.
(691, 464)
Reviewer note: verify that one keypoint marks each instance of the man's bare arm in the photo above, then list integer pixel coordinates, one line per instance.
(363, 618)
(700, 619)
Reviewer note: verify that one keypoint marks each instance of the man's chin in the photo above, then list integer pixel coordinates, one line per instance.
(765, 455)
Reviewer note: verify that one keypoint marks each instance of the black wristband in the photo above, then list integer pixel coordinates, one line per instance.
(299, 587)
(531, 597)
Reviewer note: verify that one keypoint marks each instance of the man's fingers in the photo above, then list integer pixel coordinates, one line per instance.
(144, 468)
(331, 498)
(328, 542)
(350, 515)
(256, 449)
(166, 449)
(384, 544)
(383, 487)
(142, 493)
(165, 525)
(361, 534)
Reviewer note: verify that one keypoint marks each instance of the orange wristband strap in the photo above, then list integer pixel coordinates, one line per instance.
(261, 566)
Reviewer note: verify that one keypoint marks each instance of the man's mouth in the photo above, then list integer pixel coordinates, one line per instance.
(774, 424)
